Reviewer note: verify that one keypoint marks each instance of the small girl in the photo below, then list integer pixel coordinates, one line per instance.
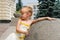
(24, 22)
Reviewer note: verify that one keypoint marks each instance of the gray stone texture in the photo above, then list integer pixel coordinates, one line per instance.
(45, 30)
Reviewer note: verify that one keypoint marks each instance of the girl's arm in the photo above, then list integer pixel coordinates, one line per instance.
(41, 19)
(18, 26)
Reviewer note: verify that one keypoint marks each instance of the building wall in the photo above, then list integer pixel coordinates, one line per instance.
(7, 8)
(12, 7)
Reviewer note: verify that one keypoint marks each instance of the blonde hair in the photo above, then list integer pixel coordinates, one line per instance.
(28, 7)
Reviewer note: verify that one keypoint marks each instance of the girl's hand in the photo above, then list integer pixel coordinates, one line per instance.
(27, 33)
(49, 18)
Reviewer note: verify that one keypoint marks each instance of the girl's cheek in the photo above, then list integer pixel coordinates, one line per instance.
(29, 15)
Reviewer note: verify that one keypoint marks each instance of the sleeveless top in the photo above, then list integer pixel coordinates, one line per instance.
(23, 27)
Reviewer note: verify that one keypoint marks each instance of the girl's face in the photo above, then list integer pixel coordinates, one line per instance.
(26, 14)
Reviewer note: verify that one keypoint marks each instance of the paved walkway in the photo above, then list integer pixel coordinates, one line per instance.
(3, 28)
(7, 28)
(7, 33)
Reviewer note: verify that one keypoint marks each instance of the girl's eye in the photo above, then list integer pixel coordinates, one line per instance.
(27, 13)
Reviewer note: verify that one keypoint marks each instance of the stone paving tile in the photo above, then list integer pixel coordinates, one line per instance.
(3, 27)
(7, 33)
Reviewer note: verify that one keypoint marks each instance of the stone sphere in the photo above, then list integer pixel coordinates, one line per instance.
(45, 30)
